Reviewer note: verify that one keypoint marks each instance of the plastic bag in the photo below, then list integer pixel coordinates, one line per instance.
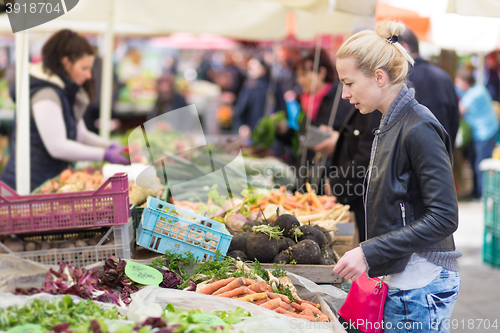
(262, 320)
(308, 290)
(17, 272)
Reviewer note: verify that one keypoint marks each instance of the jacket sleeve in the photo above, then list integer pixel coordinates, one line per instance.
(430, 164)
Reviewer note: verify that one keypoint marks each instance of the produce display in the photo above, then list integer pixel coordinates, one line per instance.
(71, 180)
(247, 282)
(68, 316)
(113, 286)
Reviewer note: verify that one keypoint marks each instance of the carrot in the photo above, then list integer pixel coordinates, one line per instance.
(270, 289)
(307, 208)
(259, 287)
(230, 286)
(285, 306)
(296, 306)
(280, 296)
(261, 301)
(315, 201)
(272, 304)
(211, 288)
(236, 292)
(315, 209)
(314, 310)
(249, 282)
(303, 200)
(310, 303)
(282, 199)
(291, 314)
(307, 312)
(253, 297)
(292, 204)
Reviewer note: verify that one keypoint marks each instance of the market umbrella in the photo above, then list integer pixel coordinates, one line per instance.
(418, 24)
(189, 41)
(487, 8)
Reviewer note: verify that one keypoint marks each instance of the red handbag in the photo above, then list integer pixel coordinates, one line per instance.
(363, 307)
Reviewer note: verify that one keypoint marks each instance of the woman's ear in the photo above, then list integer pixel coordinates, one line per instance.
(66, 63)
(381, 77)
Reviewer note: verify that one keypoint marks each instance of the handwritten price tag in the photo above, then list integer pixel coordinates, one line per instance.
(143, 274)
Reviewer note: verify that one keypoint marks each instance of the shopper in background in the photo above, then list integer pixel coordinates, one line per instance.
(256, 95)
(477, 110)
(410, 201)
(61, 87)
(350, 160)
(168, 98)
(318, 107)
(433, 87)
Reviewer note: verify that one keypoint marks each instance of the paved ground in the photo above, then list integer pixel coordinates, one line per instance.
(478, 305)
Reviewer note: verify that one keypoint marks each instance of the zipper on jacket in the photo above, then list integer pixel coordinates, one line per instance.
(369, 175)
(403, 212)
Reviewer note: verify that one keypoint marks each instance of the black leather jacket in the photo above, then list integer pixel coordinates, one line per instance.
(410, 201)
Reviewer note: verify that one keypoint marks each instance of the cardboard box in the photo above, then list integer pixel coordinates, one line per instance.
(346, 238)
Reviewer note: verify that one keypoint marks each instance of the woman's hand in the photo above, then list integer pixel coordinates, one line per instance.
(352, 264)
(328, 146)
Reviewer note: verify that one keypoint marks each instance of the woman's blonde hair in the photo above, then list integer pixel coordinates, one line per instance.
(379, 49)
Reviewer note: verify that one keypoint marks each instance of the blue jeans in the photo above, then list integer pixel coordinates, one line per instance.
(478, 151)
(426, 309)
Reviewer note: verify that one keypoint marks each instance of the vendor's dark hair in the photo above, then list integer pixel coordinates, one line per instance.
(411, 39)
(306, 63)
(67, 43)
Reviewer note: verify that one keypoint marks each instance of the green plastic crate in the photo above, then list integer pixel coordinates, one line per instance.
(491, 248)
(491, 184)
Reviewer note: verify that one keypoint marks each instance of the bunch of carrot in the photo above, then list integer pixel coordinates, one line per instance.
(260, 293)
(300, 203)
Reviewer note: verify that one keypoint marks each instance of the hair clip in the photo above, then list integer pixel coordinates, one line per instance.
(393, 39)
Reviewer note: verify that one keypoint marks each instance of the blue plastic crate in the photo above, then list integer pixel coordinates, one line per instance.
(167, 227)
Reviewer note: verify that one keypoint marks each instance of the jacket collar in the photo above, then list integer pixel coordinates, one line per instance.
(37, 71)
(397, 108)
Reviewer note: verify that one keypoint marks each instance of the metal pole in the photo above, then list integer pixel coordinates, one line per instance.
(107, 75)
(23, 161)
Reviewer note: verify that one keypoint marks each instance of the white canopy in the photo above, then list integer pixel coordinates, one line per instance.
(239, 19)
(488, 8)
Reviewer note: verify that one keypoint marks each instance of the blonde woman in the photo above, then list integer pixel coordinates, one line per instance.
(410, 199)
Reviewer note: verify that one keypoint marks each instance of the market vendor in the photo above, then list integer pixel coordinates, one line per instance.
(61, 87)
(323, 109)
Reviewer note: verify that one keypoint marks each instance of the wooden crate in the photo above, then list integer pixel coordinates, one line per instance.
(319, 274)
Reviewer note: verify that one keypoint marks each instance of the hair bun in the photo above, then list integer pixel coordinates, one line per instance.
(390, 30)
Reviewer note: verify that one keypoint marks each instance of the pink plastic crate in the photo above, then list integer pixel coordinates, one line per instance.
(20, 214)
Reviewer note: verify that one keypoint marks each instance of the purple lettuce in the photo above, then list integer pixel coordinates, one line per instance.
(170, 280)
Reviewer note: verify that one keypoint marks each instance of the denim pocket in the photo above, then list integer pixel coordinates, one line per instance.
(441, 306)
